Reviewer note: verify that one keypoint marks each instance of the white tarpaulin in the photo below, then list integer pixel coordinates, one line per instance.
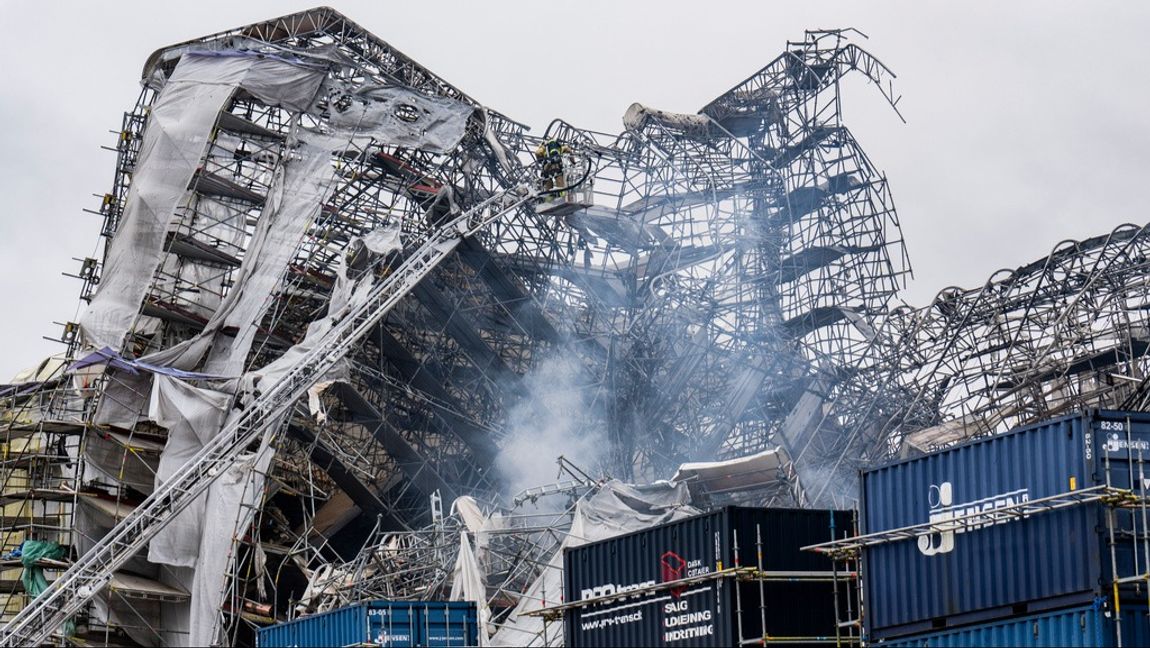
(638, 115)
(193, 416)
(347, 294)
(616, 509)
(174, 141)
(402, 117)
(232, 502)
(467, 584)
(202, 536)
(478, 523)
(302, 186)
(759, 470)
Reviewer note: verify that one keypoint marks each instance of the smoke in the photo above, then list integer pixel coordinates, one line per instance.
(558, 417)
(828, 486)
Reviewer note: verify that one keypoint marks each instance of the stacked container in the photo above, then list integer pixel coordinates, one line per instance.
(379, 623)
(708, 610)
(1085, 626)
(1009, 573)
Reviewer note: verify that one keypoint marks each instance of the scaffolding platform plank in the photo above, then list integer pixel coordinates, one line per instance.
(237, 124)
(11, 563)
(138, 587)
(137, 443)
(189, 247)
(208, 183)
(172, 313)
(31, 523)
(37, 494)
(23, 429)
(110, 508)
(18, 460)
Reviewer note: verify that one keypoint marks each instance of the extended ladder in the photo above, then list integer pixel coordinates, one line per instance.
(68, 594)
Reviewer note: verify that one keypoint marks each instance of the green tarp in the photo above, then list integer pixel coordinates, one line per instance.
(33, 577)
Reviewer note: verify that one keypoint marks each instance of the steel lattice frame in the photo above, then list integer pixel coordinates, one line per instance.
(721, 296)
(1062, 333)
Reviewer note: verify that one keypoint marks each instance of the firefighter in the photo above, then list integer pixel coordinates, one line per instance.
(550, 156)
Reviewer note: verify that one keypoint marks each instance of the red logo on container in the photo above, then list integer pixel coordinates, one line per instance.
(673, 565)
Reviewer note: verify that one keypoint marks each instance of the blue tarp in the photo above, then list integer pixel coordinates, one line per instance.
(109, 357)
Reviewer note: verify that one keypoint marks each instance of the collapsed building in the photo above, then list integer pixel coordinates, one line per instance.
(344, 313)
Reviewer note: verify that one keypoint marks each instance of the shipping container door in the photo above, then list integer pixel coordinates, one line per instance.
(449, 624)
(393, 624)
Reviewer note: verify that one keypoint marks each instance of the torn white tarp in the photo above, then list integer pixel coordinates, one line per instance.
(468, 509)
(467, 585)
(193, 416)
(202, 536)
(401, 117)
(479, 524)
(175, 138)
(373, 247)
(232, 501)
(497, 147)
(315, 403)
(615, 509)
(347, 294)
(760, 470)
(301, 187)
(638, 115)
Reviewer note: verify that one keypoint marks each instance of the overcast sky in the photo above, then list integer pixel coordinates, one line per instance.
(1027, 121)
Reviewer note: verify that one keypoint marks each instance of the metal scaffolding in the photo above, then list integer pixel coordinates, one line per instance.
(1060, 334)
(707, 283)
(698, 287)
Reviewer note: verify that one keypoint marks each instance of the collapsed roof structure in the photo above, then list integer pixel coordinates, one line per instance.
(336, 293)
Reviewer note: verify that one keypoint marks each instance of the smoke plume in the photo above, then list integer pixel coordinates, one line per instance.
(557, 418)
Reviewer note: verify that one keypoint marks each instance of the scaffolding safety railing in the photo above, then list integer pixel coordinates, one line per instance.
(739, 573)
(852, 546)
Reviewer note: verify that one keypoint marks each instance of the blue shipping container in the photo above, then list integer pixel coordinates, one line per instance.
(1084, 626)
(379, 623)
(1014, 566)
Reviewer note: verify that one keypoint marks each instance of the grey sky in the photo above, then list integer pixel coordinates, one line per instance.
(1026, 121)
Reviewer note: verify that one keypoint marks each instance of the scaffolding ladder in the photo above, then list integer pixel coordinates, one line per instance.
(68, 594)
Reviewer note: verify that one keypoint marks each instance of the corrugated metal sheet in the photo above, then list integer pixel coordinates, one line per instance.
(998, 570)
(382, 623)
(1084, 626)
(702, 614)
(449, 624)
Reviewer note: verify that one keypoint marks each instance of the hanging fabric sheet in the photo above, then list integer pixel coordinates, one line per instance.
(176, 136)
